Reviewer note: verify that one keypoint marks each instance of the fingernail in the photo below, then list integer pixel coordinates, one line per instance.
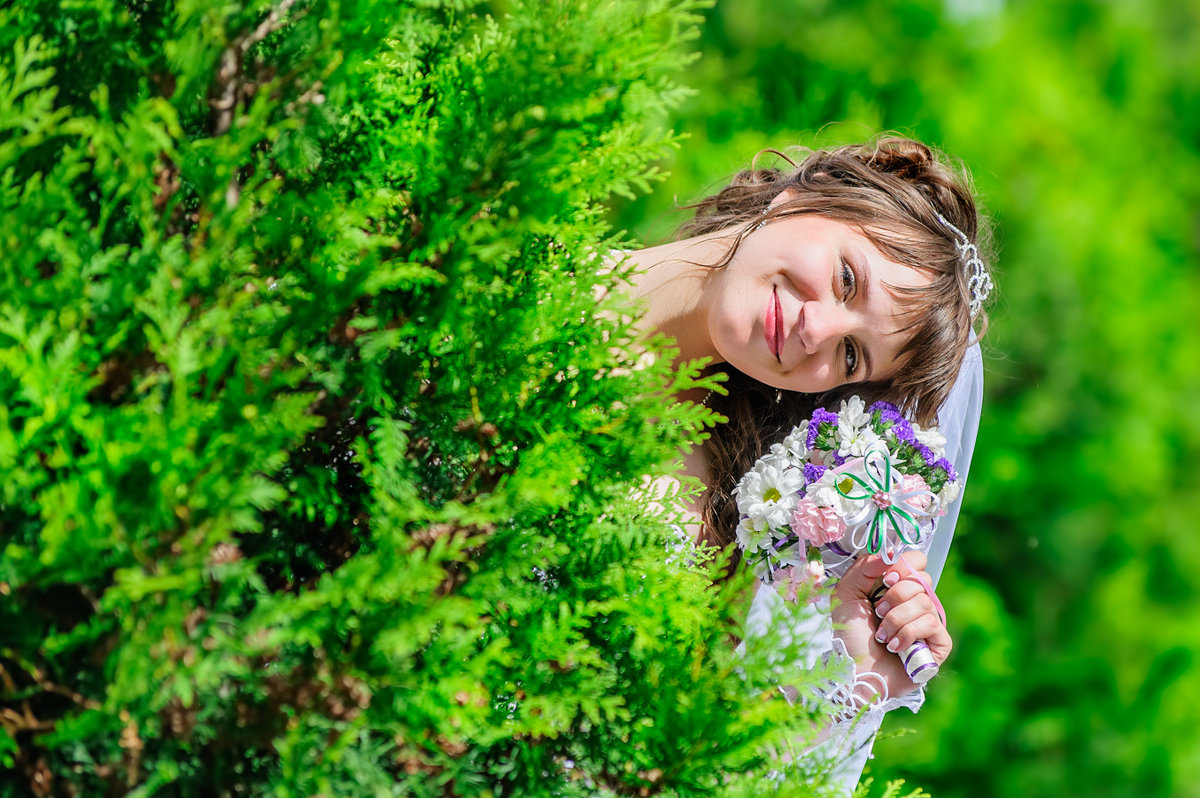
(881, 609)
(891, 578)
(893, 645)
(880, 635)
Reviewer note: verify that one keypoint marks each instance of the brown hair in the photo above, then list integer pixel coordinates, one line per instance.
(893, 191)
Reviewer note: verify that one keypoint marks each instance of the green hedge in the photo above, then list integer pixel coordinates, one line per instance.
(322, 466)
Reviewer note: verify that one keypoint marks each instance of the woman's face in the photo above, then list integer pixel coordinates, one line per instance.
(803, 306)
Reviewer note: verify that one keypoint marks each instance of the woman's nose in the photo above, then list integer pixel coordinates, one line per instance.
(822, 323)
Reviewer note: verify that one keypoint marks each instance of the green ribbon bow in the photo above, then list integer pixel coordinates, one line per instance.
(883, 506)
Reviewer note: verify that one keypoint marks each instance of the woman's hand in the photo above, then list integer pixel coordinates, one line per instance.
(902, 615)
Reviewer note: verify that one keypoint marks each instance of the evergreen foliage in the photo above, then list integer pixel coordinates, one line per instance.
(323, 466)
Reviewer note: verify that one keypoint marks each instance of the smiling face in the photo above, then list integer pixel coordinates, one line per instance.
(805, 305)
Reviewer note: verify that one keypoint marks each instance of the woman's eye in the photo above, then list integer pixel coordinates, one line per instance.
(848, 282)
(851, 358)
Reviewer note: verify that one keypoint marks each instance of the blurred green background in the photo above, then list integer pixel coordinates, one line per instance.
(1072, 588)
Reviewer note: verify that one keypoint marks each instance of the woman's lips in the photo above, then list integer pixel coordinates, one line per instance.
(773, 326)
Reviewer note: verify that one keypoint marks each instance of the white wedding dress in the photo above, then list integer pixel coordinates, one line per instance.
(848, 745)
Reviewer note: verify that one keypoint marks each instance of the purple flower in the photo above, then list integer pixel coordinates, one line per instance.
(819, 417)
(839, 460)
(812, 472)
(904, 432)
(926, 453)
(885, 408)
(948, 467)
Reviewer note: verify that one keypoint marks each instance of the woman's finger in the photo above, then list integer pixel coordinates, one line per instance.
(915, 562)
(925, 628)
(894, 577)
(860, 580)
(899, 593)
(903, 613)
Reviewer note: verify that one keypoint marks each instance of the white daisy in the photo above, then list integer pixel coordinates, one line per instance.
(768, 492)
(753, 535)
(824, 491)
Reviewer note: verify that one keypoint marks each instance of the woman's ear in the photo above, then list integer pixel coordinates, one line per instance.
(787, 195)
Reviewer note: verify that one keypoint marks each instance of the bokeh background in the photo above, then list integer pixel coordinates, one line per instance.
(1073, 581)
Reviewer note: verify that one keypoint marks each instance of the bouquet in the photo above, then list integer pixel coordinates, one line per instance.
(863, 480)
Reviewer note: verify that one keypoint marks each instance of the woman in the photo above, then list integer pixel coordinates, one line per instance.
(854, 271)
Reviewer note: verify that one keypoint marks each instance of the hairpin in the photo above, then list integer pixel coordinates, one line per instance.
(979, 282)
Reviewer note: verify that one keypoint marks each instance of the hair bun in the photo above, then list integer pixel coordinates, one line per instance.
(920, 168)
(904, 158)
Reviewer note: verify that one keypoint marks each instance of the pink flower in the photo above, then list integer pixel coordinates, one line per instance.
(787, 582)
(791, 580)
(912, 482)
(818, 525)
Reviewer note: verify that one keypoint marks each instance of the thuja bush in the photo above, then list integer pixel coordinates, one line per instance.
(324, 469)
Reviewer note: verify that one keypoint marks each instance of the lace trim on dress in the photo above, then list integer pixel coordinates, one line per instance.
(853, 695)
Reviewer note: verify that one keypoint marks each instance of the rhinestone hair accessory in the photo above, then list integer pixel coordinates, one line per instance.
(979, 281)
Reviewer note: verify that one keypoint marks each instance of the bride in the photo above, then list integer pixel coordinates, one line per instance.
(855, 270)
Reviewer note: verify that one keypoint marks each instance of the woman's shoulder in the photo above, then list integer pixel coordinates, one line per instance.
(608, 276)
(686, 501)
